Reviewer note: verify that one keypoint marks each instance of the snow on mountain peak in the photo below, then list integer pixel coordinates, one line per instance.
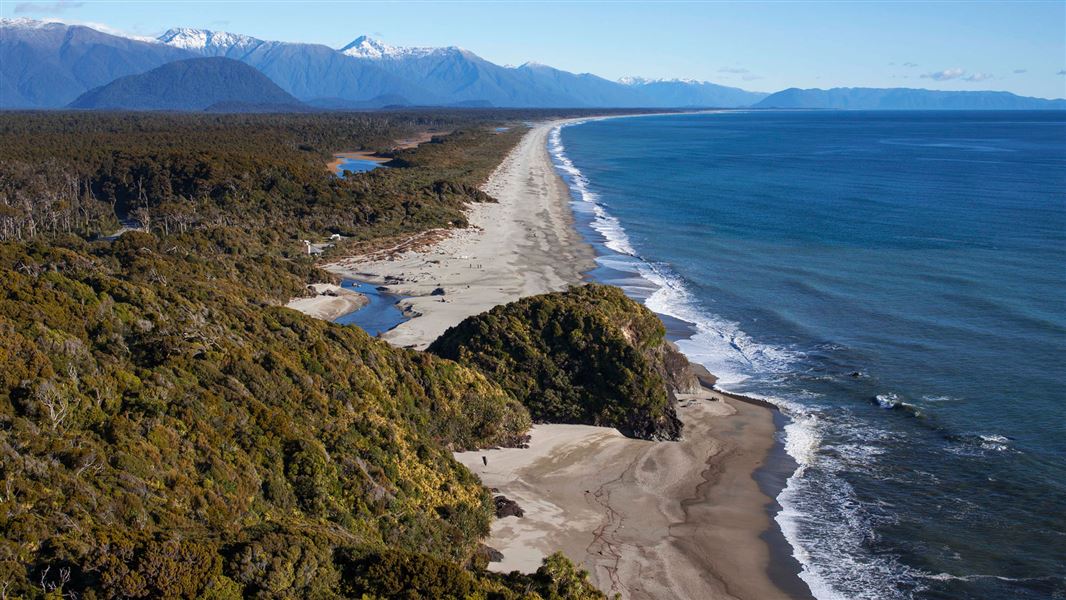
(369, 48)
(25, 23)
(633, 80)
(199, 39)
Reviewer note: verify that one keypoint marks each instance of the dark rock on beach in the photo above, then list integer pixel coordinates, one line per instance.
(505, 507)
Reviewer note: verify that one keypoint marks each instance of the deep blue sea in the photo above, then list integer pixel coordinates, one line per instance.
(896, 283)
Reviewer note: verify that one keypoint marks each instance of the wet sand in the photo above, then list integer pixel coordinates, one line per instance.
(646, 519)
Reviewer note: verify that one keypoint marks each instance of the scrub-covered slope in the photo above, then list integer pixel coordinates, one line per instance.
(588, 355)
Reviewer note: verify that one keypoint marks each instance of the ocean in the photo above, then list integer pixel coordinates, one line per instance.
(895, 282)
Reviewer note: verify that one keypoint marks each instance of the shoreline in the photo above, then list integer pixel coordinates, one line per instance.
(646, 519)
(329, 303)
(339, 158)
(372, 156)
(522, 245)
(701, 518)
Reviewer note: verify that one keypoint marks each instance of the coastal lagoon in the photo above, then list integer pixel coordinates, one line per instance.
(355, 162)
(895, 283)
(381, 313)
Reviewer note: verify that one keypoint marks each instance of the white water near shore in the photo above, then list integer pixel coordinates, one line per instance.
(718, 344)
(804, 265)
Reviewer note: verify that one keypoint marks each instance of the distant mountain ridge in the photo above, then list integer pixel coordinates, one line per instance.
(904, 99)
(686, 93)
(209, 83)
(50, 64)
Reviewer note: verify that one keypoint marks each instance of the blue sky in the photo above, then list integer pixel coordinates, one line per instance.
(1014, 46)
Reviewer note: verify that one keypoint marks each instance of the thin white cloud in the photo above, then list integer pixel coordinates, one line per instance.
(1062, 72)
(958, 73)
(1020, 71)
(47, 7)
(910, 64)
(945, 75)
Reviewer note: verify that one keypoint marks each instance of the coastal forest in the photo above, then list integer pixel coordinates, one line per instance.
(589, 355)
(169, 430)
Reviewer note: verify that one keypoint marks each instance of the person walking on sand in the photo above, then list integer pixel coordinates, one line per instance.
(485, 460)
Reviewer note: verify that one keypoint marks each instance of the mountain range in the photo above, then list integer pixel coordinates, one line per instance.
(45, 65)
(48, 65)
(904, 99)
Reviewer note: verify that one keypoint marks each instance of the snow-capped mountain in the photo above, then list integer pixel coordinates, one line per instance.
(369, 48)
(47, 64)
(307, 71)
(24, 23)
(203, 41)
(462, 76)
(451, 73)
(635, 80)
(365, 47)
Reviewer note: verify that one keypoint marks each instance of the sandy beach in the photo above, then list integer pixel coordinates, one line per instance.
(646, 519)
(329, 302)
(524, 244)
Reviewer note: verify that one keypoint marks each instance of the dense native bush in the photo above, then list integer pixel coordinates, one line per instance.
(167, 430)
(588, 355)
(85, 173)
(146, 395)
(393, 574)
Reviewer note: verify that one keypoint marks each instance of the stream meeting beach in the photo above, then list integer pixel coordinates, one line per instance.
(647, 519)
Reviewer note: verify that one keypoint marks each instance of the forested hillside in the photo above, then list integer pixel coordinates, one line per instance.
(191, 84)
(168, 430)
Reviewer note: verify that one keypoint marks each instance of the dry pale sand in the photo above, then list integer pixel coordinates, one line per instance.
(522, 245)
(646, 519)
(329, 302)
